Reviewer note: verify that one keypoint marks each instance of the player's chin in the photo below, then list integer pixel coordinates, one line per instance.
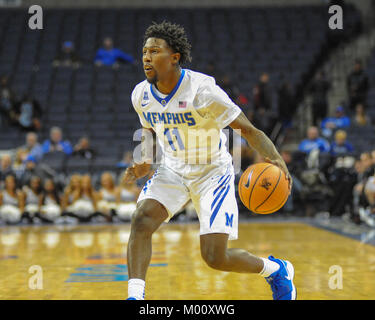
(151, 78)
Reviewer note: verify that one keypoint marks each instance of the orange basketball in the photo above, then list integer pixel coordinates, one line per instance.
(263, 188)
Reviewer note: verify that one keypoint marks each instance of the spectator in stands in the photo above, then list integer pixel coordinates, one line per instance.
(33, 147)
(18, 165)
(11, 201)
(67, 57)
(126, 161)
(367, 164)
(49, 205)
(342, 178)
(31, 194)
(357, 85)
(366, 189)
(226, 83)
(6, 167)
(263, 116)
(286, 102)
(107, 195)
(89, 195)
(211, 70)
(339, 121)
(262, 94)
(56, 143)
(365, 169)
(28, 113)
(313, 141)
(319, 89)
(297, 184)
(126, 198)
(83, 149)
(109, 56)
(263, 119)
(234, 93)
(368, 214)
(243, 102)
(83, 201)
(6, 101)
(71, 192)
(341, 146)
(360, 118)
(34, 169)
(79, 203)
(247, 154)
(358, 167)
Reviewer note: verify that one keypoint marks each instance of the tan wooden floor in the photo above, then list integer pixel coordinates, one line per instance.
(89, 262)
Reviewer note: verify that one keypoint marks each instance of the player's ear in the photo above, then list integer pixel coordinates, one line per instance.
(176, 57)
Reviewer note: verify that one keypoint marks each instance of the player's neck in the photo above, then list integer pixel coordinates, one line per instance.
(165, 86)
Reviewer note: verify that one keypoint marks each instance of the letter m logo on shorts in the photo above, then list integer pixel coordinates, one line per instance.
(229, 220)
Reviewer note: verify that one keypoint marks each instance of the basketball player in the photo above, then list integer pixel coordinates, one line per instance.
(176, 103)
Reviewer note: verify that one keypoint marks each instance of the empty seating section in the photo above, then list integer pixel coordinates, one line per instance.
(242, 42)
(371, 95)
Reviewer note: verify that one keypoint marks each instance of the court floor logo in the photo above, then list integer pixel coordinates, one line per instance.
(103, 273)
(108, 268)
(8, 257)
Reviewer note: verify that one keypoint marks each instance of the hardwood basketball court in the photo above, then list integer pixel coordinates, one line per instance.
(89, 262)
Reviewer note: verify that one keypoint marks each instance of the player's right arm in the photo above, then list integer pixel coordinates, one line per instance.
(138, 170)
(261, 143)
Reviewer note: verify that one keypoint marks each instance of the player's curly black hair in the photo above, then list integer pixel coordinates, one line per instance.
(175, 37)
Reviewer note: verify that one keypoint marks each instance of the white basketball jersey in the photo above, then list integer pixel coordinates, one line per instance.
(189, 121)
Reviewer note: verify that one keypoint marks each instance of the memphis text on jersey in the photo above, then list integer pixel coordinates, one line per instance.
(169, 118)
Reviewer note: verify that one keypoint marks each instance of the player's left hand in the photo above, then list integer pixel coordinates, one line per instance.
(130, 175)
(281, 164)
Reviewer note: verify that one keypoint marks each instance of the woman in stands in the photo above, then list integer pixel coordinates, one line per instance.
(71, 190)
(126, 197)
(82, 198)
(360, 118)
(107, 195)
(18, 165)
(11, 201)
(49, 205)
(32, 194)
(88, 201)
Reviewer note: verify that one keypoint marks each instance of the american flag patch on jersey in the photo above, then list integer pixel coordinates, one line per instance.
(182, 104)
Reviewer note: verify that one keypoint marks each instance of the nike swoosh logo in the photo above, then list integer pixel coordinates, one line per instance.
(143, 105)
(248, 179)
